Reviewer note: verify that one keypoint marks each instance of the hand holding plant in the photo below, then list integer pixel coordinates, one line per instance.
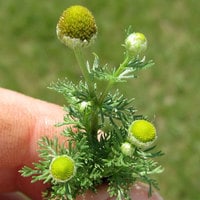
(107, 142)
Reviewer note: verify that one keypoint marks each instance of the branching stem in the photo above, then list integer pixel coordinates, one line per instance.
(116, 74)
(78, 51)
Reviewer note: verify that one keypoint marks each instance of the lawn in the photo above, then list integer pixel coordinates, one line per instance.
(31, 58)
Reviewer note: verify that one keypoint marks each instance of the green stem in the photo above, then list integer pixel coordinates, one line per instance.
(94, 125)
(82, 64)
(78, 51)
(111, 82)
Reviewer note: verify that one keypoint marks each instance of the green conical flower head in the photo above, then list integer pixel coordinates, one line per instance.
(62, 168)
(142, 133)
(76, 27)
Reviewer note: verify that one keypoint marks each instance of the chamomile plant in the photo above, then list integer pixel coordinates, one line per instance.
(106, 141)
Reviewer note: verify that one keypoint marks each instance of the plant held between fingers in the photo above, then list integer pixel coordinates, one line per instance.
(111, 143)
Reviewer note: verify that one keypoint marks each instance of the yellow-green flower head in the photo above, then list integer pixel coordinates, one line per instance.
(135, 44)
(62, 168)
(127, 149)
(76, 27)
(142, 133)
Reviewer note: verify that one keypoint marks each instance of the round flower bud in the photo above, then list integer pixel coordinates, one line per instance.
(142, 133)
(127, 149)
(62, 168)
(135, 44)
(76, 27)
(84, 105)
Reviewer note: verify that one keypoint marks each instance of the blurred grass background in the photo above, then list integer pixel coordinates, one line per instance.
(31, 58)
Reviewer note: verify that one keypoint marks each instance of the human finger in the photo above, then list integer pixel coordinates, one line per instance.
(23, 120)
(139, 191)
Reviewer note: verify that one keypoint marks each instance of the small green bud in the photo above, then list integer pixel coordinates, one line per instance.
(142, 133)
(135, 44)
(127, 149)
(62, 168)
(76, 27)
(84, 105)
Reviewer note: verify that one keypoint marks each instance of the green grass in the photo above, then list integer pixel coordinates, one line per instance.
(31, 57)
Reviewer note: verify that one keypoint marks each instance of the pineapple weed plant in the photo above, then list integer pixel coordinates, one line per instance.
(105, 140)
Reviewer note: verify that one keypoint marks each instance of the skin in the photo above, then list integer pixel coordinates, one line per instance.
(23, 120)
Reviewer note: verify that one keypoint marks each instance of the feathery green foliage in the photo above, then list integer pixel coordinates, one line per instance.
(96, 125)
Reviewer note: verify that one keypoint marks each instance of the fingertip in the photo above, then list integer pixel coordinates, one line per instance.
(140, 192)
(13, 196)
(32, 190)
(100, 194)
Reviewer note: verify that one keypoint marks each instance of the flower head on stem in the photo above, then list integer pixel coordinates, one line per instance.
(142, 133)
(135, 44)
(76, 27)
(62, 168)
